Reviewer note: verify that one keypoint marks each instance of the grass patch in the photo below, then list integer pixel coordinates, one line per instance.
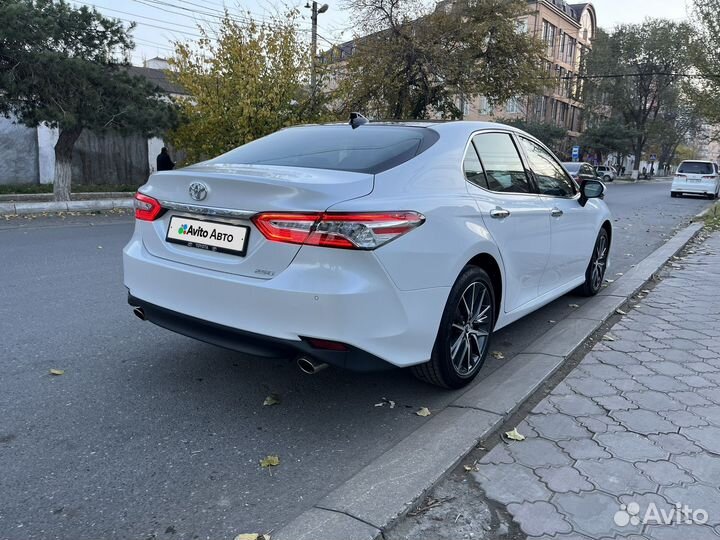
(11, 189)
(712, 218)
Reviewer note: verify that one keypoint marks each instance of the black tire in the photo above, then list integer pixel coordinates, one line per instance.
(467, 329)
(674, 194)
(595, 273)
(607, 178)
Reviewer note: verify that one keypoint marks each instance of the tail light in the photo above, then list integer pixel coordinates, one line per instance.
(146, 208)
(708, 177)
(365, 230)
(680, 175)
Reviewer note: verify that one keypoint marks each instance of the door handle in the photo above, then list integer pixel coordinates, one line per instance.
(499, 213)
(556, 212)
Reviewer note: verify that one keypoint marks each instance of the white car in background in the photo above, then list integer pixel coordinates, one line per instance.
(366, 245)
(607, 173)
(696, 177)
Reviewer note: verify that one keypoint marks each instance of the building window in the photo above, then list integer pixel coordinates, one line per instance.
(485, 107)
(513, 106)
(549, 33)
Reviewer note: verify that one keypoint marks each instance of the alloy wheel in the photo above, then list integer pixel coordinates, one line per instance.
(470, 330)
(599, 262)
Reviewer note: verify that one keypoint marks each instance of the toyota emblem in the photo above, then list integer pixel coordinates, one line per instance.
(198, 191)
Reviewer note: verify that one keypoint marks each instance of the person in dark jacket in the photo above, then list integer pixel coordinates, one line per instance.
(164, 163)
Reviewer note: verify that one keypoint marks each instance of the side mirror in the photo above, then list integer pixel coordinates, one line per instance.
(591, 189)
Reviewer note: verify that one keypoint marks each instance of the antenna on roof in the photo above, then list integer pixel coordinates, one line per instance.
(357, 120)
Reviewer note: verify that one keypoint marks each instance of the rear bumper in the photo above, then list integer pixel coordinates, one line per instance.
(255, 344)
(700, 188)
(338, 295)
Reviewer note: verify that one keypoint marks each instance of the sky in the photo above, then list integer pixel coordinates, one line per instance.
(160, 22)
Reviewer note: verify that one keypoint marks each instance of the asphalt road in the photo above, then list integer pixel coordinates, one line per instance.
(150, 435)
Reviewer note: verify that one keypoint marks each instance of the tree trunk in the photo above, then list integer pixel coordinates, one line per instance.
(63, 163)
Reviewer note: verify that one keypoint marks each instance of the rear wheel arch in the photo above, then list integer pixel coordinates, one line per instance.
(608, 227)
(488, 263)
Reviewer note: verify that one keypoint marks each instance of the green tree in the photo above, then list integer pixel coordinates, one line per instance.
(416, 64)
(632, 71)
(551, 135)
(607, 136)
(249, 82)
(59, 67)
(706, 94)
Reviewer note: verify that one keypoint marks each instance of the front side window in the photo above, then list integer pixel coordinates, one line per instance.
(503, 167)
(550, 176)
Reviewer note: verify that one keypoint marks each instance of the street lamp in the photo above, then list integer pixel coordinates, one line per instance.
(313, 49)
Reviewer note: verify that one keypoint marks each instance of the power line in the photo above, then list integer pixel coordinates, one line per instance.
(133, 14)
(196, 36)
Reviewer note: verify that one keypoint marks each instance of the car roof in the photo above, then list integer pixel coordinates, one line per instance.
(697, 161)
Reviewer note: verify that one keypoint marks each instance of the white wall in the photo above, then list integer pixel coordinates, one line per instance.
(46, 138)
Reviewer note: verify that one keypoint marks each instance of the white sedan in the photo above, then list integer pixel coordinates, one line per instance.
(696, 178)
(366, 246)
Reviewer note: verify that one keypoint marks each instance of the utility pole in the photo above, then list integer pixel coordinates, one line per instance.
(313, 50)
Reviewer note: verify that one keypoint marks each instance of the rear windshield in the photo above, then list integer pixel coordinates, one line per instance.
(695, 167)
(367, 149)
(572, 167)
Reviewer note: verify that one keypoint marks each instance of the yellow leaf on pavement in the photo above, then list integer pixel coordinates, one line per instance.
(497, 355)
(57, 372)
(573, 305)
(424, 411)
(272, 399)
(252, 536)
(270, 461)
(608, 337)
(514, 435)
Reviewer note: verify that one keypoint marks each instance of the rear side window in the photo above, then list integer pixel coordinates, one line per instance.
(503, 167)
(367, 149)
(473, 168)
(695, 167)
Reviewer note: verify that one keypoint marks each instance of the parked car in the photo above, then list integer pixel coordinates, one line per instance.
(698, 178)
(581, 171)
(606, 172)
(392, 244)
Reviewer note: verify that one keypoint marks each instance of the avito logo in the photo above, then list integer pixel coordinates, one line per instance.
(201, 232)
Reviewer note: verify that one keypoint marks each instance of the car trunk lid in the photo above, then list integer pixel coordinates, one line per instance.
(232, 194)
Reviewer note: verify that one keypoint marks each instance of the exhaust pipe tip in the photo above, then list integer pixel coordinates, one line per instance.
(310, 366)
(140, 313)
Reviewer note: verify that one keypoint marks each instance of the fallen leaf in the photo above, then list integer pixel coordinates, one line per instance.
(619, 274)
(573, 305)
(610, 280)
(57, 372)
(645, 291)
(424, 411)
(620, 312)
(270, 461)
(99, 247)
(252, 536)
(272, 399)
(380, 404)
(497, 355)
(386, 401)
(551, 321)
(608, 337)
(514, 435)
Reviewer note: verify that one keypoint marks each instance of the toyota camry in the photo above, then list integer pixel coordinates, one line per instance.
(366, 245)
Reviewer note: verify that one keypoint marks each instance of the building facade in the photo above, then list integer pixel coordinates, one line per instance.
(567, 32)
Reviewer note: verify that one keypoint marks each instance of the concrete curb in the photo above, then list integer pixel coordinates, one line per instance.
(25, 208)
(75, 196)
(383, 491)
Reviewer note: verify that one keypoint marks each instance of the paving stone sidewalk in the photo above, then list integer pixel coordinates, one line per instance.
(636, 422)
